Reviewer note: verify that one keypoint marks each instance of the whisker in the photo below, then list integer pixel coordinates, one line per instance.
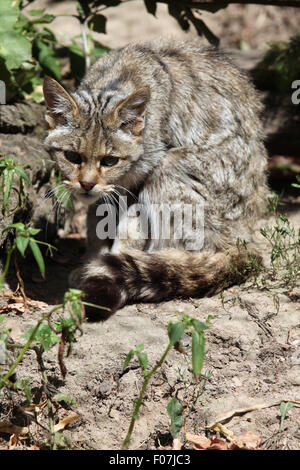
(122, 207)
(125, 189)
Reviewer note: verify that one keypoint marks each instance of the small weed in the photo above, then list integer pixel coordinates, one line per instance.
(47, 333)
(175, 332)
(8, 170)
(24, 238)
(284, 241)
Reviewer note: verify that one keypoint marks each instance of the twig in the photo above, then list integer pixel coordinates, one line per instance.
(21, 283)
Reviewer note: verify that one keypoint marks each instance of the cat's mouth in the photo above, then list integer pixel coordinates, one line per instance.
(87, 197)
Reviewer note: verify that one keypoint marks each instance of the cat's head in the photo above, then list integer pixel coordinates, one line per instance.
(94, 149)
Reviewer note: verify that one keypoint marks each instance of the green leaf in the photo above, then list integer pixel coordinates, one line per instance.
(43, 19)
(18, 226)
(46, 57)
(199, 326)
(143, 360)
(8, 13)
(98, 23)
(8, 180)
(35, 12)
(61, 440)
(175, 332)
(198, 344)
(37, 255)
(128, 358)
(83, 9)
(27, 392)
(22, 243)
(44, 335)
(15, 49)
(62, 397)
(151, 6)
(139, 348)
(284, 408)
(77, 60)
(33, 231)
(21, 172)
(175, 413)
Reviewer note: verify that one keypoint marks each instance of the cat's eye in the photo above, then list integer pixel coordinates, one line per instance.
(109, 161)
(73, 157)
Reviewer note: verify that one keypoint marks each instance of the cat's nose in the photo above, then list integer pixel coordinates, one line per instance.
(86, 185)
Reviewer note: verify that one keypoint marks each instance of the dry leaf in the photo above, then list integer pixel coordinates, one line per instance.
(13, 440)
(247, 441)
(218, 444)
(200, 442)
(37, 303)
(18, 306)
(218, 427)
(65, 421)
(8, 428)
(203, 443)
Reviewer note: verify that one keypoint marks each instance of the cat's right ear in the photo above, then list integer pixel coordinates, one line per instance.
(131, 111)
(59, 102)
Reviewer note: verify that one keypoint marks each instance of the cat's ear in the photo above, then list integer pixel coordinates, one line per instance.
(59, 102)
(130, 112)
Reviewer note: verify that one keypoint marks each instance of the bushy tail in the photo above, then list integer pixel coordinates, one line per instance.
(113, 280)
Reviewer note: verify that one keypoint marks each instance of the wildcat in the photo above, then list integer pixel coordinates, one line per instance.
(162, 122)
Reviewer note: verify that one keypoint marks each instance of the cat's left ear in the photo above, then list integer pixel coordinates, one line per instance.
(60, 104)
(130, 112)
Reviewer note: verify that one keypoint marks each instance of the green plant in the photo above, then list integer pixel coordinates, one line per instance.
(47, 333)
(24, 238)
(29, 49)
(284, 408)
(280, 65)
(8, 170)
(284, 240)
(175, 332)
(175, 413)
(26, 49)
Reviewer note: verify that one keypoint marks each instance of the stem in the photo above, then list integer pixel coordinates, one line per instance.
(139, 402)
(7, 263)
(21, 283)
(85, 46)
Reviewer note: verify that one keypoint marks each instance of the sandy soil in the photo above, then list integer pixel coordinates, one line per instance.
(253, 345)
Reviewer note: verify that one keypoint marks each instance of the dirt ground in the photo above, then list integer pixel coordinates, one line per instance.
(252, 346)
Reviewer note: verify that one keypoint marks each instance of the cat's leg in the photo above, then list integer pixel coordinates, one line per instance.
(97, 242)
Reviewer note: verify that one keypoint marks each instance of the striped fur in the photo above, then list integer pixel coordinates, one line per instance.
(136, 276)
(182, 123)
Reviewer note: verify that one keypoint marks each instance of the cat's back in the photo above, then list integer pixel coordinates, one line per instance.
(180, 62)
(195, 89)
